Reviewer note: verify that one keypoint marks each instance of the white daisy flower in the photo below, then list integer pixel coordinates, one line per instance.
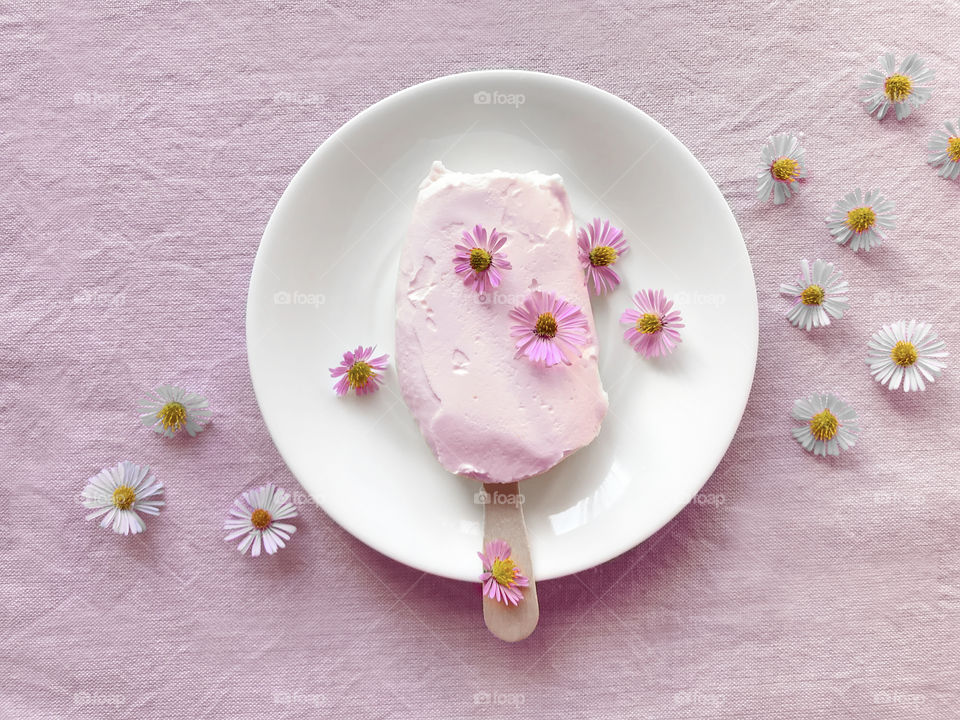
(256, 514)
(781, 166)
(122, 492)
(171, 409)
(902, 88)
(818, 294)
(944, 147)
(830, 424)
(907, 352)
(862, 219)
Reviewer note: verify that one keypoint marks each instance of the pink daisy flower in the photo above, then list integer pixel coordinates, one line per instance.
(359, 371)
(501, 577)
(479, 259)
(653, 324)
(600, 246)
(256, 515)
(550, 329)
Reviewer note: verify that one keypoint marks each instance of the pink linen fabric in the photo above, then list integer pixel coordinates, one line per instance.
(144, 144)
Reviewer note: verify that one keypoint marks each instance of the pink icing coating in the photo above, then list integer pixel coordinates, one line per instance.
(484, 412)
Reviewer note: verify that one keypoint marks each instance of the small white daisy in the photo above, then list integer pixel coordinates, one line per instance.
(907, 352)
(781, 167)
(122, 492)
(818, 294)
(862, 219)
(255, 514)
(902, 88)
(171, 409)
(944, 147)
(830, 424)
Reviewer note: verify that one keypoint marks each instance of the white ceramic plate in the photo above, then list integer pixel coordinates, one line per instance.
(324, 279)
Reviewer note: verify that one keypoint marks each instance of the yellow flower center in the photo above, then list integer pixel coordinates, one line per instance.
(480, 259)
(603, 255)
(359, 374)
(861, 219)
(649, 323)
(124, 497)
(897, 88)
(812, 295)
(953, 148)
(260, 519)
(824, 425)
(546, 326)
(504, 571)
(172, 416)
(785, 169)
(904, 354)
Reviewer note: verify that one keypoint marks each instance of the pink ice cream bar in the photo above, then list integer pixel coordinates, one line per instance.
(486, 412)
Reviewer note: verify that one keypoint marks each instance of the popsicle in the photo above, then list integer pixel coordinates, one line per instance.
(487, 410)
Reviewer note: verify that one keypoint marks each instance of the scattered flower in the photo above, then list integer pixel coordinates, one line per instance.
(480, 259)
(653, 324)
(600, 247)
(818, 294)
(171, 409)
(781, 165)
(903, 88)
(501, 577)
(908, 353)
(830, 424)
(256, 514)
(862, 220)
(944, 147)
(550, 329)
(120, 493)
(359, 371)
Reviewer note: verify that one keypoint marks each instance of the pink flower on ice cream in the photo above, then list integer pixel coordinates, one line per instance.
(501, 577)
(550, 329)
(480, 259)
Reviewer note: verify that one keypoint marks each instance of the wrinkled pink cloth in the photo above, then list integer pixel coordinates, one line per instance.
(144, 145)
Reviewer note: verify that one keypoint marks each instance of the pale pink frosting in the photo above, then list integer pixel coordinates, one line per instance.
(484, 412)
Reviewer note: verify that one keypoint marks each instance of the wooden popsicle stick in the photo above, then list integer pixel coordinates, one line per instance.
(503, 520)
